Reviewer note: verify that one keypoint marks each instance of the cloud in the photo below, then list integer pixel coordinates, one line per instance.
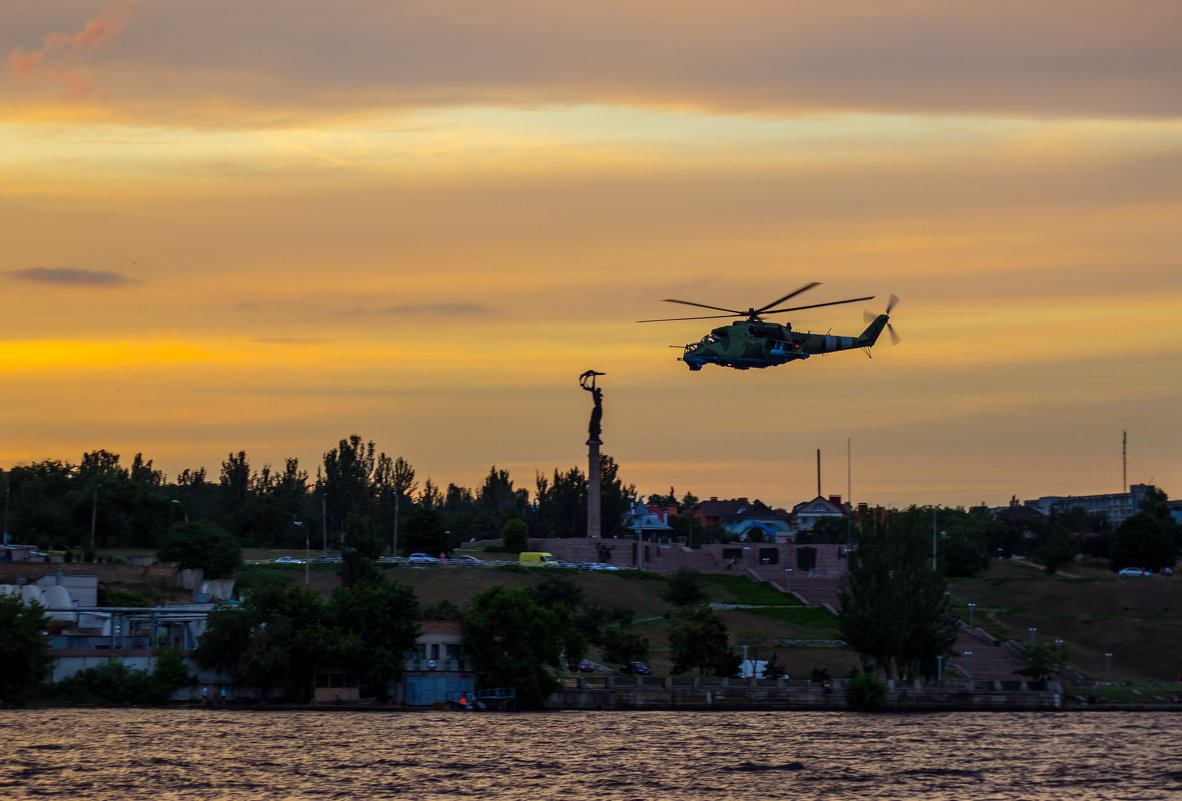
(56, 61)
(436, 308)
(68, 276)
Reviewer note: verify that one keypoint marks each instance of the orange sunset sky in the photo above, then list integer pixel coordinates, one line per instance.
(267, 225)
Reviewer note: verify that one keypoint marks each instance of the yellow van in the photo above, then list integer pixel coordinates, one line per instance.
(537, 559)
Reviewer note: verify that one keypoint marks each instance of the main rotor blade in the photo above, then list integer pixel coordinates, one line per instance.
(817, 305)
(804, 288)
(703, 305)
(708, 317)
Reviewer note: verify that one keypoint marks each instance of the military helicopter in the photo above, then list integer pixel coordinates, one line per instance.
(755, 343)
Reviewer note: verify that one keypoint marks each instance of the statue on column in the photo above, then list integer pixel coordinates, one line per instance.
(587, 382)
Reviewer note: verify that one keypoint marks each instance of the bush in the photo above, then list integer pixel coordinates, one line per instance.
(864, 693)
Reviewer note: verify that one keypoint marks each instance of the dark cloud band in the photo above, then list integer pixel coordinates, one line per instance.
(69, 276)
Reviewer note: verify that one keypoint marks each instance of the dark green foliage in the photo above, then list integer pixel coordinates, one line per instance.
(374, 625)
(423, 532)
(517, 643)
(622, 645)
(201, 545)
(443, 610)
(496, 503)
(1054, 553)
(695, 533)
(357, 568)
(686, 588)
(280, 636)
(772, 669)
(561, 508)
(170, 673)
(1044, 662)
(114, 683)
(835, 530)
(276, 638)
(698, 638)
(864, 693)
(1144, 540)
(555, 589)
(515, 536)
(114, 597)
(894, 610)
(961, 549)
(24, 651)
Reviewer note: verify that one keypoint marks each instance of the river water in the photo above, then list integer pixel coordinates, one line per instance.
(232, 755)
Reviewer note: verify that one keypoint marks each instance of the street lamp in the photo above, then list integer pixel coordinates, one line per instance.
(1108, 660)
(968, 664)
(788, 580)
(972, 606)
(1032, 629)
(183, 509)
(307, 550)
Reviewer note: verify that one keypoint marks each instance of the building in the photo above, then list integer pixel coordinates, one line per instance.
(1116, 506)
(805, 515)
(745, 519)
(648, 521)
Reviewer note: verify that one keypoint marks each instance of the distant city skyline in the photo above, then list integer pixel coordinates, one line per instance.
(266, 227)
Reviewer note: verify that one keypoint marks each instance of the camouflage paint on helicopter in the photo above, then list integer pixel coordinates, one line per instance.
(756, 343)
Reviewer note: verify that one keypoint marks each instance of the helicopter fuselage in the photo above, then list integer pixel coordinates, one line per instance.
(749, 344)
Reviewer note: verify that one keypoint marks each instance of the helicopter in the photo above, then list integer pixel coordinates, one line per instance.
(756, 343)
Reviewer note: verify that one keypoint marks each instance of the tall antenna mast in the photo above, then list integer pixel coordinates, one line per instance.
(1124, 461)
(818, 472)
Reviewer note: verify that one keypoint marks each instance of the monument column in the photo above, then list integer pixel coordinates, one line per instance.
(594, 521)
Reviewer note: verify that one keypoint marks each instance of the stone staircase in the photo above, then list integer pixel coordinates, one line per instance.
(979, 659)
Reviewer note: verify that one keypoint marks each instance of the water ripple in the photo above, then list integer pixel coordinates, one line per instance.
(228, 755)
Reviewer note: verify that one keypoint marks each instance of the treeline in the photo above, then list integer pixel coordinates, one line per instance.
(359, 498)
(968, 538)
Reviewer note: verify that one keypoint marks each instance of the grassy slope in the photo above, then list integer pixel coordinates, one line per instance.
(1137, 620)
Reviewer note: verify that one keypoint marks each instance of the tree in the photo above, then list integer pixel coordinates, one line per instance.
(515, 535)
(894, 610)
(685, 588)
(1144, 540)
(865, 693)
(1044, 662)
(698, 638)
(277, 638)
(826, 530)
(201, 545)
(377, 619)
(561, 509)
(517, 643)
(24, 651)
(424, 533)
(624, 645)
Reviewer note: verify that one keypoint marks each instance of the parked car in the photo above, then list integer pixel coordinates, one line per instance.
(1133, 571)
(465, 559)
(288, 560)
(581, 667)
(421, 559)
(636, 668)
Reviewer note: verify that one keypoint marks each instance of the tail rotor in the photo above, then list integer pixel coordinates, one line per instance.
(870, 317)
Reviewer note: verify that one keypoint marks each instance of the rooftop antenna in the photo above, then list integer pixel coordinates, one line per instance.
(818, 472)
